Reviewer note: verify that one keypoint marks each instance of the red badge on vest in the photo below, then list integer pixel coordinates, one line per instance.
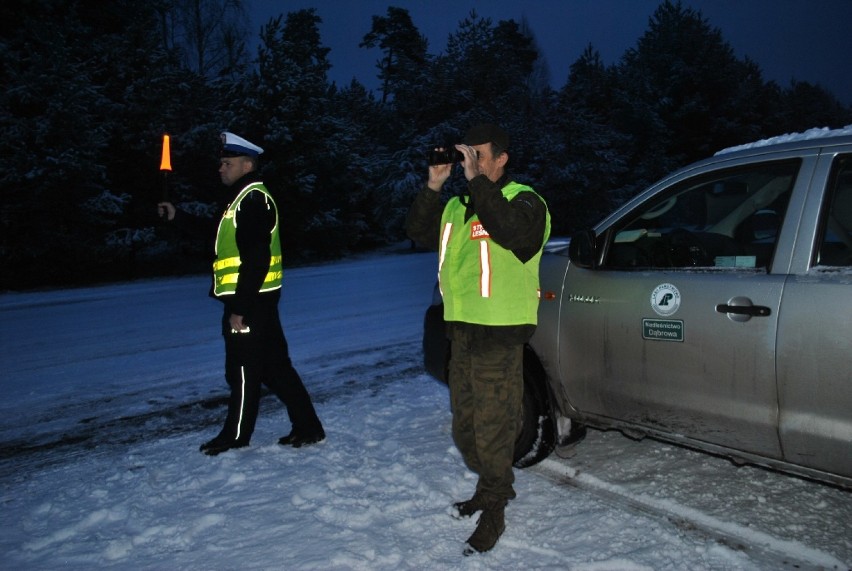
(478, 231)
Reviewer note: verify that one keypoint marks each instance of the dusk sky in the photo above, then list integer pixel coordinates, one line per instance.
(806, 40)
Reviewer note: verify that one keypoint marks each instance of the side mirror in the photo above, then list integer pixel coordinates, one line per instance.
(582, 250)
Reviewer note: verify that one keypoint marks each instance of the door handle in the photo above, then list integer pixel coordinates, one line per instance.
(750, 310)
(743, 312)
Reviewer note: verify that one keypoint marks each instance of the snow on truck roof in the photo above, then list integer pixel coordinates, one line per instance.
(815, 133)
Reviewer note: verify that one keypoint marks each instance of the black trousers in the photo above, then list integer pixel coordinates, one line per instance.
(261, 357)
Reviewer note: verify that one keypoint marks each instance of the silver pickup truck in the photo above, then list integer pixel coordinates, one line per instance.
(713, 310)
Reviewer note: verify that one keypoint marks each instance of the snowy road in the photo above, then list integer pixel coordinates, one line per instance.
(107, 392)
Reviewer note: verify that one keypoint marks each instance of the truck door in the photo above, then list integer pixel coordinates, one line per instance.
(676, 330)
(815, 327)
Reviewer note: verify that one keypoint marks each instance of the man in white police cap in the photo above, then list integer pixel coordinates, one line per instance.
(247, 277)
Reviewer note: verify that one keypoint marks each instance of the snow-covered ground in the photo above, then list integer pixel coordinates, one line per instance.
(107, 393)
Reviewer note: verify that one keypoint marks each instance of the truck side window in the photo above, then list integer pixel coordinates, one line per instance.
(725, 219)
(835, 247)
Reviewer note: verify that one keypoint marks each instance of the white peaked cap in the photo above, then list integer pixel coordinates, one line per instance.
(236, 146)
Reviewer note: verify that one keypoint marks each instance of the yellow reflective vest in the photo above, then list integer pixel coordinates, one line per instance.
(226, 268)
(482, 282)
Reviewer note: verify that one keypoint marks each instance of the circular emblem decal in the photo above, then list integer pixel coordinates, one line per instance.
(665, 300)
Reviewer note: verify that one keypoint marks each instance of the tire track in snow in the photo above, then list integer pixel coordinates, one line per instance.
(86, 431)
(776, 552)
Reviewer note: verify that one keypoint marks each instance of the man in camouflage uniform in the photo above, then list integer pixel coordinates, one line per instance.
(490, 243)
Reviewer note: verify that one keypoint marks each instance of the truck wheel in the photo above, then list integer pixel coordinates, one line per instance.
(537, 436)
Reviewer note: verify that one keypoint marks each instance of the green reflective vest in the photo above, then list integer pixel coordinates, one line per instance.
(226, 268)
(482, 282)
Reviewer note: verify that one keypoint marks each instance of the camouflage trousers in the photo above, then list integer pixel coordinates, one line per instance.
(486, 391)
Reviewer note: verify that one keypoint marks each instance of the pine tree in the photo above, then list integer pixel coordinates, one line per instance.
(53, 140)
(587, 161)
(685, 94)
(289, 105)
(404, 53)
(805, 106)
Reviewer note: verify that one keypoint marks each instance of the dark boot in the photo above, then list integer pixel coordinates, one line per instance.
(221, 444)
(491, 525)
(297, 440)
(468, 507)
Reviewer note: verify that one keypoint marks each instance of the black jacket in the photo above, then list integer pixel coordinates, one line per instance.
(517, 224)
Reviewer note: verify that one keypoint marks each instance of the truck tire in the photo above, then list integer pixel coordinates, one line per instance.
(537, 436)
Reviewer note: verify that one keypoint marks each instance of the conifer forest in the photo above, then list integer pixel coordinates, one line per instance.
(91, 87)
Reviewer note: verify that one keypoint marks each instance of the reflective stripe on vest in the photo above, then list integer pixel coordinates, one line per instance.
(226, 268)
(480, 281)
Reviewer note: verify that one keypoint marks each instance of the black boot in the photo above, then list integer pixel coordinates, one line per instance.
(297, 439)
(491, 526)
(468, 507)
(221, 444)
